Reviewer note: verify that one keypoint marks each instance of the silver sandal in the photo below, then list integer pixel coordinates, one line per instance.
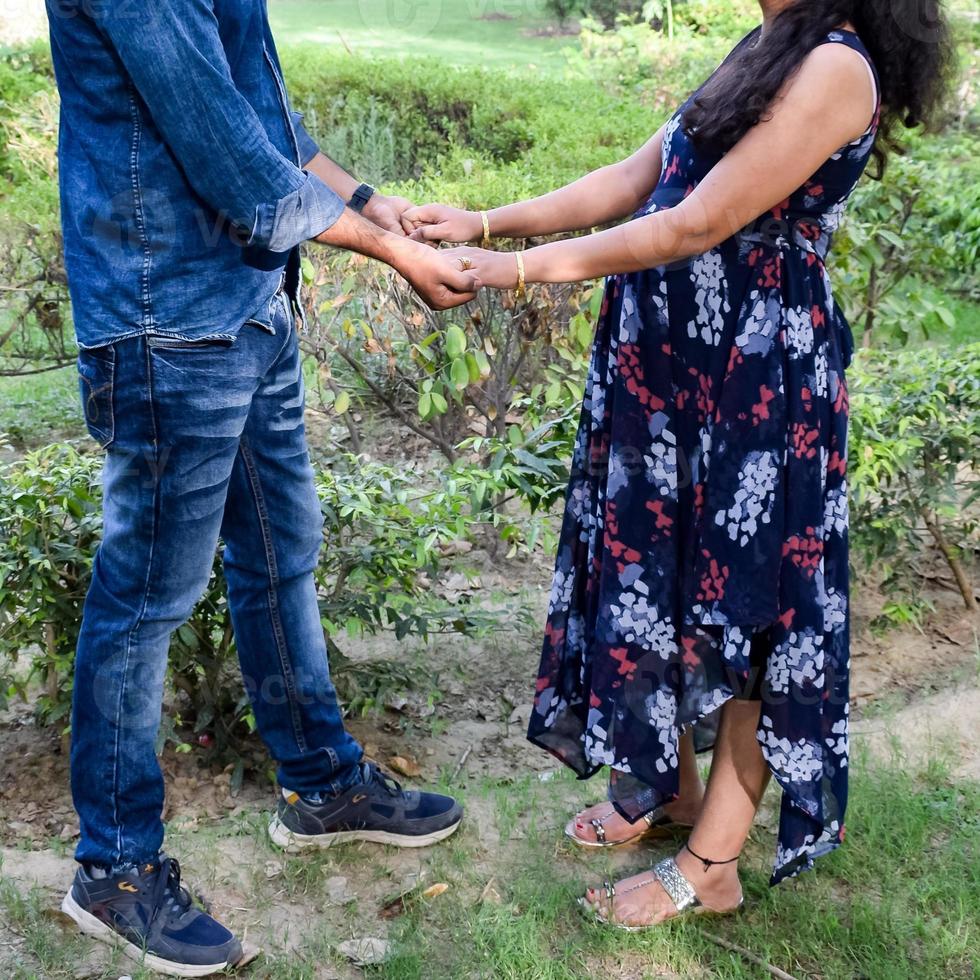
(656, 823)
(673, 881)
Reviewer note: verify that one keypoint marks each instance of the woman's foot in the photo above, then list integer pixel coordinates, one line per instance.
(602, 825)
(643, 901)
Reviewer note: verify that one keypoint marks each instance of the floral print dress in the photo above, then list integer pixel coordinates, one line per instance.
(705, 530)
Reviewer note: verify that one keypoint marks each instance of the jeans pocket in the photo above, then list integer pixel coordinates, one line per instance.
(159, 342)
(96, 376)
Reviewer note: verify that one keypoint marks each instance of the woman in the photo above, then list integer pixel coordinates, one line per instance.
(702, 570)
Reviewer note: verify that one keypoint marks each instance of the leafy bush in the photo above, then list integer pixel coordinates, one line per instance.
(915, 462)
(34, 324)
(389, 538)
(919, 226)
(470, 136)
(441, 375)
(562, 9)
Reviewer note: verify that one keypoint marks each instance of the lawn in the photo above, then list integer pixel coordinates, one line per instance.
(476, 32)
(898, 900)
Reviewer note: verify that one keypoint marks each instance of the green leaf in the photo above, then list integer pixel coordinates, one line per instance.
(455, 341)
(459, 373)
(484, 364)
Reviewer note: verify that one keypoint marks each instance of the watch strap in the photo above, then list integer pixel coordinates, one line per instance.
(360, 197)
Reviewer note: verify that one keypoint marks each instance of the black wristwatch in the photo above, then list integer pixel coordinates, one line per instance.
(362, 195)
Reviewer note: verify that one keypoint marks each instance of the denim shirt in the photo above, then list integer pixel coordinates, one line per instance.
(180, 165)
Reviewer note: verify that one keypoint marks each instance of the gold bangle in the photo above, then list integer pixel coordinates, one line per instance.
(486, 229)
(521, 284)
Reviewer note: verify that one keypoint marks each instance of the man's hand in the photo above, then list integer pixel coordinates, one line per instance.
(439, 223)
(438, 277)
(386, 212)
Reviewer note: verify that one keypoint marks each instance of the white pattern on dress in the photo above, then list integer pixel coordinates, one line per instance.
(754, 499)
(710, 298)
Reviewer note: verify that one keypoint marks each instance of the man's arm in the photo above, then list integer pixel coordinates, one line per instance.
(383, 209)
(173, 53)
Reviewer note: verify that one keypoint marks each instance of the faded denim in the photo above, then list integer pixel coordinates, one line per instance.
(183, 197)
(202, 440)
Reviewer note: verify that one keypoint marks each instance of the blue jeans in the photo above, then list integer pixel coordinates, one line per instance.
(203, 440)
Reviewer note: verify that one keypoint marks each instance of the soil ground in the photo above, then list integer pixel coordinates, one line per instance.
(915, 693)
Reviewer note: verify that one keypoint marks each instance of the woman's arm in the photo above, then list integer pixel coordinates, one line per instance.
(607, 194)
(822, 108)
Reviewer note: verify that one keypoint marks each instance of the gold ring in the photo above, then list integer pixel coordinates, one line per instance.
(465, 263)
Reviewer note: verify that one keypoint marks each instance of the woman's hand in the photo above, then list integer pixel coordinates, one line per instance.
(440, 223)
(498, 270)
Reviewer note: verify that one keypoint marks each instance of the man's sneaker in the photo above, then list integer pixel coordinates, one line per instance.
(152, 919)
(376, 809)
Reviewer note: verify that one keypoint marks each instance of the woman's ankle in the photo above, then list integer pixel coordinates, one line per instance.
(718, 886)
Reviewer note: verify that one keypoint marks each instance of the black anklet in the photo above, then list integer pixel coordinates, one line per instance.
(707, 862)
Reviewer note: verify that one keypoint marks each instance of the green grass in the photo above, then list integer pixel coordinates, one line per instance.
(36, 409)
(490, 32)
(900, 899)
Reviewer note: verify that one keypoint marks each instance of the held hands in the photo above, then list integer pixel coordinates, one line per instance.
(435, 223)
(440, 223)
(438, 276)
(387, 211)
(449, 277)
(497, 270)
(438, 279)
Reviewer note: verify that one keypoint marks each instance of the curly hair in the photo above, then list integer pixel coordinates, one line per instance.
(908, 41)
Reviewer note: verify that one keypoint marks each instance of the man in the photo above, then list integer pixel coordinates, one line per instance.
(187, 185)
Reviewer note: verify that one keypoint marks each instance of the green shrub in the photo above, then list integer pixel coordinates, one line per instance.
(26, 78)
(441, 375)
(915, 462)
(470, 136)
(388, 537)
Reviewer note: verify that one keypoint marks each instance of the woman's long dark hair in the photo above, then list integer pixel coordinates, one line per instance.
(908, 40)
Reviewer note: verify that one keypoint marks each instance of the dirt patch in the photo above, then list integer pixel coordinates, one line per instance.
(942, 726)
(571, 29)
(470, 724)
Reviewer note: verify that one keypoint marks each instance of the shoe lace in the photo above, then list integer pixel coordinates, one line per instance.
(376, 777)
(167, 894)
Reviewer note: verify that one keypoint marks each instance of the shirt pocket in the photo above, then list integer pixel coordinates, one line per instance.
(96, 377)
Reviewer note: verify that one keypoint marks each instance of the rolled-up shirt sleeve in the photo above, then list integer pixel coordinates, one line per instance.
(308, 147)
(173, 53)
(290, 220)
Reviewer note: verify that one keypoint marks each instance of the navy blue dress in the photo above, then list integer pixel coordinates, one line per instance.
(705, 529)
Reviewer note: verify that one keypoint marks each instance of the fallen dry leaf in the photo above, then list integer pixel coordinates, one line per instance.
(405, 766)
(434, 891)
(249, 953)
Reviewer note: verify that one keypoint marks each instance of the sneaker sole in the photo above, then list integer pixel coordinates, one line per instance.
(283, 837)
(97, 929)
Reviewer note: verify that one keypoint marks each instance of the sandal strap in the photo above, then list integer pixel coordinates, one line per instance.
(676, 885)
(656, 817)
(600, 830)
